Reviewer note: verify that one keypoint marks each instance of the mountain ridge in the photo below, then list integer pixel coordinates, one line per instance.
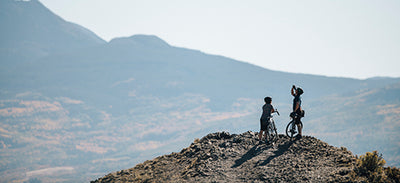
(35, 31)
(141, 40)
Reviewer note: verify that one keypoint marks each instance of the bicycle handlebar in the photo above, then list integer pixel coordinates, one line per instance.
(276, 110)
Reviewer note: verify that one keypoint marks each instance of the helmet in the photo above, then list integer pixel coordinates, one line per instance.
(267, 100)
(299, 91)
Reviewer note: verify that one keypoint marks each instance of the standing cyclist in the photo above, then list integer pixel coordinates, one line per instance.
(297, 111)
(268, 109)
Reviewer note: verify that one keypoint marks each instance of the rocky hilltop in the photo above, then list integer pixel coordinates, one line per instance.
(222, 157)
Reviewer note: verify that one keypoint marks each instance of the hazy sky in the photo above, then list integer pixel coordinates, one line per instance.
(350, 38)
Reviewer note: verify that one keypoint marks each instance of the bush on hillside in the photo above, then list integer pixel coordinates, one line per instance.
(393, 174)
(370, 166)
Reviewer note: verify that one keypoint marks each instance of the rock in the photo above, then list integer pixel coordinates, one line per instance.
(222, 157)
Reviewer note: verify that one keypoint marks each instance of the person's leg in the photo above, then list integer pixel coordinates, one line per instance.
(297, 122)
(265, 134)
(263, 128)
(266, 129)
(261, 131)
(299, 127)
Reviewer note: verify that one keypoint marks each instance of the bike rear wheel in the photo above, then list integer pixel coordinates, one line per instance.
(291, 129)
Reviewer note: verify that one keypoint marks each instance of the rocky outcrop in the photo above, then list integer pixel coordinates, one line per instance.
(222, 157)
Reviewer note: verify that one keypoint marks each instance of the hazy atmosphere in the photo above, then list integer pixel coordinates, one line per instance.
(357, 39)
(128, 90)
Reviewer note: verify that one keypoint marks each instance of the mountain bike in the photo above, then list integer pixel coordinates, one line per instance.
(291, 127)
(272, 134)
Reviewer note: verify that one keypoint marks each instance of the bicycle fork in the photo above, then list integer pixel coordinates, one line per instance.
(293, 128)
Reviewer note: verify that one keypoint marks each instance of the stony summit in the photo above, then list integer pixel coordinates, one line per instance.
(222, 157)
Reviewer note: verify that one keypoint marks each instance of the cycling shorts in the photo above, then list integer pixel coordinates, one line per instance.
(264, 124)
(297, 120)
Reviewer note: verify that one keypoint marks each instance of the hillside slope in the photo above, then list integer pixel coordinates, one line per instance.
(361, 121)
(29, 31)
(152, 67)
(221, 157)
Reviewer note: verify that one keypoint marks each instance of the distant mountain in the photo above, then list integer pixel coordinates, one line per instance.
(29, 31)
(139, 42)
(162, 70)
(73, 107)
(364, 120)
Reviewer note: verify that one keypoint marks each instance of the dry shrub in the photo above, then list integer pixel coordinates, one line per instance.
(370, 166)
(393, 174)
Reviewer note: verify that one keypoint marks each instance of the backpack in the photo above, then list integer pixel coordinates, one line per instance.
(302, 113)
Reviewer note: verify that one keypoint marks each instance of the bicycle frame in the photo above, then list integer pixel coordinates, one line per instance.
(271, 132)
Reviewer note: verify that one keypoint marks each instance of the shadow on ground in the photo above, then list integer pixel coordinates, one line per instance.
(283, 146)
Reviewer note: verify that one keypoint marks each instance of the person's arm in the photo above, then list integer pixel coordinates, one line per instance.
(293, 90)
(272, 110)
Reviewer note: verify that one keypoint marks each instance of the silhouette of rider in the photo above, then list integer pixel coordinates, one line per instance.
(297, 111)
(268, 109)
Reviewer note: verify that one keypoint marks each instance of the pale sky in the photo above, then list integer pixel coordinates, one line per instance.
(345, 38)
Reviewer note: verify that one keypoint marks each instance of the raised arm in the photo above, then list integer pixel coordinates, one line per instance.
(293, 90)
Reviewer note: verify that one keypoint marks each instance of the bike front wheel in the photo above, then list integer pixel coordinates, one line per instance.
(291, 129)
(272, 135)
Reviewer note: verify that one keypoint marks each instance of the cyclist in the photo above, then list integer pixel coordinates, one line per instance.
(297, 111)
(268, 109)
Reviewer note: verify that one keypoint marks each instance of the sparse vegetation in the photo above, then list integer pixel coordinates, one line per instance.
(370, 168)
(393, 174)
(33, 180)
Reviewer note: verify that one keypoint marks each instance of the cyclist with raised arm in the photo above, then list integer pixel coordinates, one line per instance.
(268, 109)
(297, 111)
